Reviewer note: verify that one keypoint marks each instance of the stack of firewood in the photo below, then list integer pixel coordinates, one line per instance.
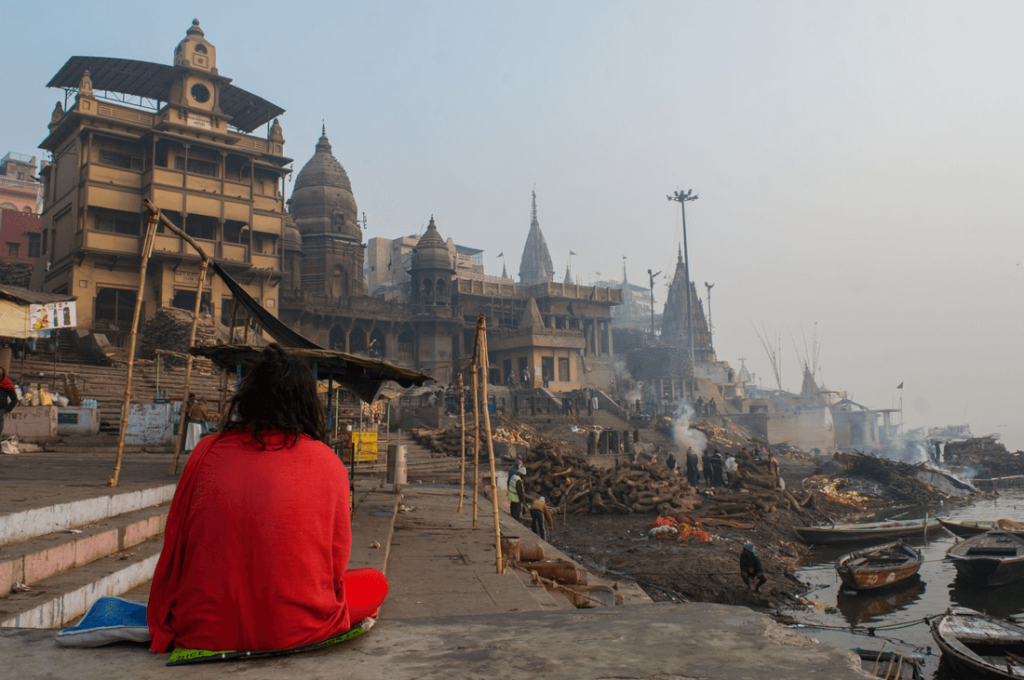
(447, 442)
(572, 484)
(169, 330)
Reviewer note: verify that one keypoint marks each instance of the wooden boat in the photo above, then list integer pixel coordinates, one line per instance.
(840, 534)
(976, 642)
(879, 567)
(892, 665)
(995, 558)
(968, 527)
(974, 527)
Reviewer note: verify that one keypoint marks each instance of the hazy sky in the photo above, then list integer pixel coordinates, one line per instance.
(859, 164)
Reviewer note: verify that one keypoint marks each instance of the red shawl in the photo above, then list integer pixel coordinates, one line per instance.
(255, 548)
(6, 384)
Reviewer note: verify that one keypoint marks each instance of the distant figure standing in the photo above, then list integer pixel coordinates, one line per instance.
(750, 567)
(699, 406)
(195, 415)
(717, 465)
(516, 492)
(705, 461)
(773, 464)
(526, 379)
(692, 463)
(671, 463)
(539, 511)
(712, 407)
(730, 470)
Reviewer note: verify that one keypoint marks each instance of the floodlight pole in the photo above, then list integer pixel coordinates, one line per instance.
(711, 332)
(651, 274)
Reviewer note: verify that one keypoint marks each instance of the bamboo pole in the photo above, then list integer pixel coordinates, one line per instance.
(188, 362)
(462, 418)
(476, 434)
(482, 369)
(147, 250)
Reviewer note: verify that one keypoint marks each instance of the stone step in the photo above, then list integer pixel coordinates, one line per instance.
(28, 524)
(59, 600)
(38, 559)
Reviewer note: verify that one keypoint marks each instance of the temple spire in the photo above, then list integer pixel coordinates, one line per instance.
(535, 267)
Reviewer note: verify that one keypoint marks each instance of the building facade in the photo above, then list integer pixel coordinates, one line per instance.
(20, 189)
(179, 136)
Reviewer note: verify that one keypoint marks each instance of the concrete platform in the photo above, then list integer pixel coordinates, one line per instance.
(45, 492)
(655, 641)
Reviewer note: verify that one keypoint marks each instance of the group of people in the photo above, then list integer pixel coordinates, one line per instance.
(539, 510)
(705, 408)
(718, 470)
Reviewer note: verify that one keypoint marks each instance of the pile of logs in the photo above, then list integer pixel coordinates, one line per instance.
(899, 480)
(752, 495)
(169, 330)
(448, 442)
(986, 455)
(573, 485)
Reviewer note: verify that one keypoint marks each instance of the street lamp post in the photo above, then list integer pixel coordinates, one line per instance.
(652, 274)
(681, 197)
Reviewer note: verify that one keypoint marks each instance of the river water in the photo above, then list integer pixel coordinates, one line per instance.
(936, 590)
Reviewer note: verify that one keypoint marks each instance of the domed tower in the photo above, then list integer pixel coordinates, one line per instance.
(431, 271)
(292, 255)
(325, 214)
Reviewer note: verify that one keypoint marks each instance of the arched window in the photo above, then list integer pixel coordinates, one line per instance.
(357, 341)
(7, 206)
(339, 282)
(440, 288)
(337, 339)
(405, 346)
(378, 344)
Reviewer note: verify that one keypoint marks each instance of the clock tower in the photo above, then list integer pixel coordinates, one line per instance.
(197, 85)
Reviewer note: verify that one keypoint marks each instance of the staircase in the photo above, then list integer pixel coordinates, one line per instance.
(105, 384)
(89, 556)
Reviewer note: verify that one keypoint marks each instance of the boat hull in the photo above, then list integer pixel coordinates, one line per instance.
(837, 536)
(877, 578)
(993, 559)
(974, 628)
(966, 530)
(990, 573)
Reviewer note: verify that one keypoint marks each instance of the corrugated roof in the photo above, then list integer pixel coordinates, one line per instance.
(151, 80)
(31, 297)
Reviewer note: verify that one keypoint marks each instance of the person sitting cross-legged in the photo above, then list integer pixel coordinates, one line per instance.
(258, 538)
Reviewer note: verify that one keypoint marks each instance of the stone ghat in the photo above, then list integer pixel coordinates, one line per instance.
(105, 384)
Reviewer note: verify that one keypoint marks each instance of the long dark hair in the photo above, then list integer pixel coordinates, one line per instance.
(277, 395)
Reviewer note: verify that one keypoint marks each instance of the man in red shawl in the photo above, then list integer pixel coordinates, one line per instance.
(258, 537)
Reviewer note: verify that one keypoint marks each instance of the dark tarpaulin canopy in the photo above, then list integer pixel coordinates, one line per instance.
(361, 375)
(275, 328)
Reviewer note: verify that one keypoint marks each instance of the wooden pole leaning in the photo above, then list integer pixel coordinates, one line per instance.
(188, 362)
(482, 368)
(155, 213)
(462, 419)
(147, 250)
(476, 431)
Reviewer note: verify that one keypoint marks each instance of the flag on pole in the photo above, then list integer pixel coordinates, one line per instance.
(900, 386)
(571, 253)
(501, 254)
